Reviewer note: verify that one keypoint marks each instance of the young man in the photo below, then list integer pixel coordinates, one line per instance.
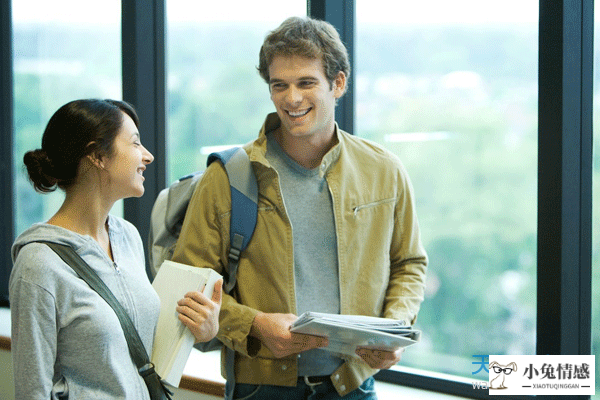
(337, 230)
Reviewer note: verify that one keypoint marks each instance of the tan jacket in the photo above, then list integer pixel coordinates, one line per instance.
(382, 263)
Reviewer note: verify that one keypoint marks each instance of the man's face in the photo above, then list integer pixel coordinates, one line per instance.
(304, 99)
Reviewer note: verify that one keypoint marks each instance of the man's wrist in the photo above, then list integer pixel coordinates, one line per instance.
(255, 329)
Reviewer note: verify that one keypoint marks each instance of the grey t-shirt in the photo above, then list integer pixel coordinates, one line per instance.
(309, 207)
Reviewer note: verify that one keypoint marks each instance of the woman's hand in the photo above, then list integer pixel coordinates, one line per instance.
(201, 314)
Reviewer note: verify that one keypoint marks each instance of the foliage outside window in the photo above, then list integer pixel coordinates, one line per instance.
(451, 88)
(47, 75)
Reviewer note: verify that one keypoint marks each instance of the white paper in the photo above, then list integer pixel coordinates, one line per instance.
(347, 332)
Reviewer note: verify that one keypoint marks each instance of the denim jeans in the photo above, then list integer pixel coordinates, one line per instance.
(323, 391)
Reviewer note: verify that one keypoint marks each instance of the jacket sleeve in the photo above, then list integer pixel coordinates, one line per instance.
(34, 339)
(204, 242)
(408, 259)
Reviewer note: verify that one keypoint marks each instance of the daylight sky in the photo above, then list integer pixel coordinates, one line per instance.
(403, 12)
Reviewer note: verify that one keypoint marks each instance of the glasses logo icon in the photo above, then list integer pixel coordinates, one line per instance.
(502, 371)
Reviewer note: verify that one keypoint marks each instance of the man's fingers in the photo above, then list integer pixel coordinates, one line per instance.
(306, 342)
(380, 359)
(218, 292)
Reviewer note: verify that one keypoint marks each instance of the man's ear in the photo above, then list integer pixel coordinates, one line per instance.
(339, 85)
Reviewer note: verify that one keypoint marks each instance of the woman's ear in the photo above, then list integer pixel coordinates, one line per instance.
(95, 160)
(94, 156)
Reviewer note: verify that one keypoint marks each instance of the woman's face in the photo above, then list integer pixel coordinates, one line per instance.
(125, 167)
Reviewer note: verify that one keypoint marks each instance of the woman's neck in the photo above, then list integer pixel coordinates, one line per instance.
(84, 212)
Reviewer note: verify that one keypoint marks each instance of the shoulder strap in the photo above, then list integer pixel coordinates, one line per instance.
(134, 342)
(244, 205)
(139, 355)
(244, 212)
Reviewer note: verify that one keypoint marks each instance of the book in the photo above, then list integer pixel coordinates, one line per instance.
(347, 332)
(173, 341)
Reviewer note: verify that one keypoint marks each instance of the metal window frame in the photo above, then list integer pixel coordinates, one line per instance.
(143, 52)
(341, 14)
(564, 272)
(6, 147)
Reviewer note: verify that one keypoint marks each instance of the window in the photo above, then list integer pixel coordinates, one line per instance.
(215, 95)
(451, 88)
(87, 63)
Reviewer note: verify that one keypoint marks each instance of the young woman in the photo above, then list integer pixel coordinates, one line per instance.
(67, 342)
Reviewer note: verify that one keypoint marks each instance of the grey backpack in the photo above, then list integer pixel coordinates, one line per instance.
(168, 212)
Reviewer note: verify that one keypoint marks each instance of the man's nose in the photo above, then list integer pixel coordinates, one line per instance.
(293, 95)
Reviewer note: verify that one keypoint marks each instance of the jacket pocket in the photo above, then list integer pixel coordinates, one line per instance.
(362, 207)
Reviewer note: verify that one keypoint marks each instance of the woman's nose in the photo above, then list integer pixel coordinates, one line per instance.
(148, 157)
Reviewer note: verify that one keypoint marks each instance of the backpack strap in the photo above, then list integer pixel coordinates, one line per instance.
(244, 212)
(244, 206)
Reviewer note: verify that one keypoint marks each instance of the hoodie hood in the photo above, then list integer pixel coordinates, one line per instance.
(52, 233)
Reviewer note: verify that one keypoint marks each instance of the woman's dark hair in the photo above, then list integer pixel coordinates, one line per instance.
(77, 129)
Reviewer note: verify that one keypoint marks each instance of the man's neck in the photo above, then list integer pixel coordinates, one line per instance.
(308, 152)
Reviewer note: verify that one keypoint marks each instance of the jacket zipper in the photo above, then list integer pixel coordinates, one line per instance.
(358, 208)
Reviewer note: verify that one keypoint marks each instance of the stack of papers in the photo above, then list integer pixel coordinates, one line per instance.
(347, 332)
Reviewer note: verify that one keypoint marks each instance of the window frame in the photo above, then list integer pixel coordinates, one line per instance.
(564, 269)
(6, 147)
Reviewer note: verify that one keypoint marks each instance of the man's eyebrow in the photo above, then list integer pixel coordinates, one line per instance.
(302, 78)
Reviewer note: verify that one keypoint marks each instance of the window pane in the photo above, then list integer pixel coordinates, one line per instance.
(451, 88)
(63, 50)
(215, 95)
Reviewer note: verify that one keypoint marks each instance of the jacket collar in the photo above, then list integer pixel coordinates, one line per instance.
(272, 122)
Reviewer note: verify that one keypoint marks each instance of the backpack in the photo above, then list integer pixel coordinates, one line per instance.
(168, 213)
(169, 209)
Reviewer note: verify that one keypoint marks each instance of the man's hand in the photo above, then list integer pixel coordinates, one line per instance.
(273, 330)
(201, 314)
(380, 359)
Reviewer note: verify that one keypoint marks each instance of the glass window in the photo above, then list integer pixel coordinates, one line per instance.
(215, 94)
(451, 88)
(63, 50)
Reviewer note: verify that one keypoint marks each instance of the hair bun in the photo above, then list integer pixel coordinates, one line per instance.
(40, 170)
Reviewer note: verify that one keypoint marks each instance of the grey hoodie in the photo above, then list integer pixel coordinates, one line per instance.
(67, 342)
